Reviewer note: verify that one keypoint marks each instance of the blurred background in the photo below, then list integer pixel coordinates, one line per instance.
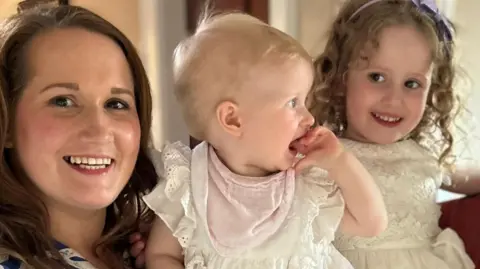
(155, 27)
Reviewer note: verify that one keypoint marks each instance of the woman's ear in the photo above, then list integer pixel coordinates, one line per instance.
(9, 141)
(8, 144)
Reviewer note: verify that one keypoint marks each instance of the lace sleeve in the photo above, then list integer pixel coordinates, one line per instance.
(327, 197)
(171, 198)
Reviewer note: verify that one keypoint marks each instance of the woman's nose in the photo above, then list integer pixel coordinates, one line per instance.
(96, 126)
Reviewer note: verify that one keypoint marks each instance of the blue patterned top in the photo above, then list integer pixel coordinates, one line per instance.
(73, 258)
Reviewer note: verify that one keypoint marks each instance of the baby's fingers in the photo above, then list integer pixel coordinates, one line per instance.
(304, 163)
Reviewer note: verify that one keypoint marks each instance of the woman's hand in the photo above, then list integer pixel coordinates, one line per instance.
(137, 249)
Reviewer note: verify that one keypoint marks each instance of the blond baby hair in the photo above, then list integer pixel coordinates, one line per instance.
(211, 65)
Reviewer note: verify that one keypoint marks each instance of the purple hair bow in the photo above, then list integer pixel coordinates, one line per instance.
(443, 25)
(426, 6)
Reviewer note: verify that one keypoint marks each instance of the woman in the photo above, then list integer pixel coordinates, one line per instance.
(74, 128)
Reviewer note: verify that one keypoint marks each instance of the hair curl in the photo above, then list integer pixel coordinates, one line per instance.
(349, 36)
(24, 225)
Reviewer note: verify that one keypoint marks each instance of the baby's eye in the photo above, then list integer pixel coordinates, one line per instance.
(376, 77)
(412, 84)
(293, 103)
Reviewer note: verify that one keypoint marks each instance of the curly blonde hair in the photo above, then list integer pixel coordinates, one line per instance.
(349, 36)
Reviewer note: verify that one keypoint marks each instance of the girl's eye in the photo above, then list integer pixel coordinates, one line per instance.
(293, 103)
(61, 101)
(117, 104)
(412, 84)
(376, 77)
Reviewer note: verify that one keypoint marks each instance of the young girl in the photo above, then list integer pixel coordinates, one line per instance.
(235, 201)
(385, 86)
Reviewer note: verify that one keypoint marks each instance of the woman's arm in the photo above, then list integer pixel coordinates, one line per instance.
(163, 249)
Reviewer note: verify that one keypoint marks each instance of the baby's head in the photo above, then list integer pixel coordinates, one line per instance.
(387, 74)
(242, 86)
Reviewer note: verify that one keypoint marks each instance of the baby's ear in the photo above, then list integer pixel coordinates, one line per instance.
(228, 117)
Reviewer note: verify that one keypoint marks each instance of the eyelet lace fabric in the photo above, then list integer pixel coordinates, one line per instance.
(303, 240)
(408, 178)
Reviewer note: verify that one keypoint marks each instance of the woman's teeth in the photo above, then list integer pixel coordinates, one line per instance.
(89, 162)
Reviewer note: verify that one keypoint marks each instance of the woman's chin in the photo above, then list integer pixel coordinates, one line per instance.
(93, 202)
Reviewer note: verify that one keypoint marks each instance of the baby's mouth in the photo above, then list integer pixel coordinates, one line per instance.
(293, 147)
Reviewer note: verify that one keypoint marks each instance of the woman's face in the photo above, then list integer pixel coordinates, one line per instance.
(77, 132)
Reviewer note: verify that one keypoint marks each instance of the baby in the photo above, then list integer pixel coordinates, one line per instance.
(242, 198)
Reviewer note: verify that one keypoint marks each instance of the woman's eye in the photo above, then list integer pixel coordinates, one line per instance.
(412, 84)
(62, 102)
(117, 104)
(293, 103)
(376, 77)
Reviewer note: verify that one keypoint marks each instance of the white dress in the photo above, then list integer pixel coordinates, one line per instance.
(408, 178)
(302, 242)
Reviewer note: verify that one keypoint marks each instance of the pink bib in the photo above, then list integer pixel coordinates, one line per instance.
(241, 212)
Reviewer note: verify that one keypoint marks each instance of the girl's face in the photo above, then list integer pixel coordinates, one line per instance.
(386, 98)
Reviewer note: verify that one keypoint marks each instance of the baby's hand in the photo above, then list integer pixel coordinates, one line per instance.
(320, 147)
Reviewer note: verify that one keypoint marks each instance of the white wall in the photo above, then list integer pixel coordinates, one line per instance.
(283, 15)
(163, 25)
(466, 17)
(8, 7)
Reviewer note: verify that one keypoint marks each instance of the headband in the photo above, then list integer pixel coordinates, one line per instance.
(428, 7)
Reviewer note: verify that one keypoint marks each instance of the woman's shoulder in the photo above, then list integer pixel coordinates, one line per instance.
(9, 262)
(72, 258)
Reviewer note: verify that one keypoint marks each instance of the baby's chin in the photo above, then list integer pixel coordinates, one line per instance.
(279, 165)
(288, 165)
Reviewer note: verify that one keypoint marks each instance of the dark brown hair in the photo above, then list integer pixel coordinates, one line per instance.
(24, 225)
(349, 36)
